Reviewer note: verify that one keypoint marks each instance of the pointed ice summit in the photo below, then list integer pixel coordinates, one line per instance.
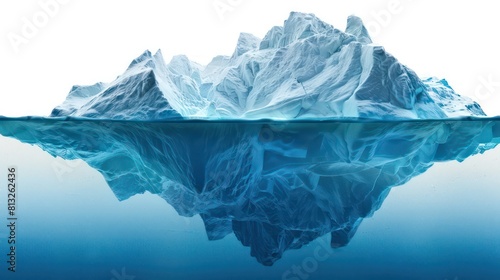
(303, 69)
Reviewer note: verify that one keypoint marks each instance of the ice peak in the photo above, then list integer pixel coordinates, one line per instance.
(145, 56)
(158, 55)
(272, 38)
(246, 42)
(300, 26)
(148, 61)
(356, 28)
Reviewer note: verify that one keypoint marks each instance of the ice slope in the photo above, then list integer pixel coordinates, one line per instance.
(276, 186)
(148, 90)
(303, 69)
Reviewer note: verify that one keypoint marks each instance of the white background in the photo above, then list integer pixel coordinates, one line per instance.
(84, 42)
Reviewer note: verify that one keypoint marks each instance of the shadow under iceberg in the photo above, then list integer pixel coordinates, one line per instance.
(275, 185)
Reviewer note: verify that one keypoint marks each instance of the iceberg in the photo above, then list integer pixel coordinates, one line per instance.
(294, 136)
(305, 69)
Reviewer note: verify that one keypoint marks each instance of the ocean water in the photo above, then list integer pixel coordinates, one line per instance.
(250, 200)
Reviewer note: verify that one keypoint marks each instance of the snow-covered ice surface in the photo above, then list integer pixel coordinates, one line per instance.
(305, 69)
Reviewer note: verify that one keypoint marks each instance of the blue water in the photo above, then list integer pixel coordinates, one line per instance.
(440, 224)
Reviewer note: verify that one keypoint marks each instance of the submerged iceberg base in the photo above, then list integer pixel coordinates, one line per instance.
(275, 185)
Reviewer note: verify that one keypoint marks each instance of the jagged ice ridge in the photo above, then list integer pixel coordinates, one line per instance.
(303, 69)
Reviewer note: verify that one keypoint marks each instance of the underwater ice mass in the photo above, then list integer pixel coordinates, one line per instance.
(275, 185)
(355, 122)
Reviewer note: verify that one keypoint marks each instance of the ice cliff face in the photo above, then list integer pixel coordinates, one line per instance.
(303, 69)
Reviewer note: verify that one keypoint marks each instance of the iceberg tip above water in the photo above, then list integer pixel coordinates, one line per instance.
(305, 69)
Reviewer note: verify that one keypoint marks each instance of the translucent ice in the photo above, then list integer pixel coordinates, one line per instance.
(275, 185)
